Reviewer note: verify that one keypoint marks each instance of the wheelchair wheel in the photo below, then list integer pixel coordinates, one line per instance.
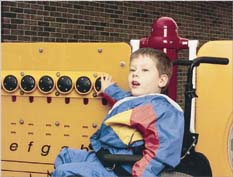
(174, 174)
(195, 164)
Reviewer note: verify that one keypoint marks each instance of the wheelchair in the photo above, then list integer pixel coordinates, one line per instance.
(192, 163)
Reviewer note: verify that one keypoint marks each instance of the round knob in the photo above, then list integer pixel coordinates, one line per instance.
(46, 84)
(83, 85)
(64, 84)
(28, 83)
(10, 83)
(98, 84)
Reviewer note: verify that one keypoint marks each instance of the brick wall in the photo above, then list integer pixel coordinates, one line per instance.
(118, 21)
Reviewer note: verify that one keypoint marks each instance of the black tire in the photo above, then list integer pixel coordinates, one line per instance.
(174, 174)
(195, 164)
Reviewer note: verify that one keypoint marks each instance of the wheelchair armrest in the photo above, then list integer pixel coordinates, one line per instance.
(121, 158)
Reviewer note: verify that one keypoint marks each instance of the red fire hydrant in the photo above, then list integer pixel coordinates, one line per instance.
(164, 37)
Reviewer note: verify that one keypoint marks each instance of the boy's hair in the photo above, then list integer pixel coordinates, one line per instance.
(162, 62)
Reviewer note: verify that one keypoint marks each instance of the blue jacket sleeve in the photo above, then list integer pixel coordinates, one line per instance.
(112, 93)
(162, 129)
(115, 93)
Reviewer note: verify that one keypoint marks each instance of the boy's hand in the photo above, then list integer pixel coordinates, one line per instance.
(106, 80)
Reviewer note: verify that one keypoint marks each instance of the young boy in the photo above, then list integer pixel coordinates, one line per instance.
(140, 118)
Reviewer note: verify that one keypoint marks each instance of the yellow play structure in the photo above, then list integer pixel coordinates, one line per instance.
(214, 108)
(38, 121)
(49, 101)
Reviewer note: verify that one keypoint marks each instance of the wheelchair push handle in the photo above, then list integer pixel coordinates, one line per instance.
(210, 60)
(197, 61)
(182, 62)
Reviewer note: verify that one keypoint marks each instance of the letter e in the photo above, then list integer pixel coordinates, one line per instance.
(13, 146)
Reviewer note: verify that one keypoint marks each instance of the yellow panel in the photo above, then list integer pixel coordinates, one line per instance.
(214, 107)
(24, 174)
(34, 131)
(25, 169)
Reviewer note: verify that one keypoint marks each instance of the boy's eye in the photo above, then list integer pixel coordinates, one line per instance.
(131, 70)
(145, 70)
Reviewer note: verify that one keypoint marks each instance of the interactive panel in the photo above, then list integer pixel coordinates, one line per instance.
(49, 99)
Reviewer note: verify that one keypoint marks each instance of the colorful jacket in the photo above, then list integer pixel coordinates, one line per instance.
(153, 120)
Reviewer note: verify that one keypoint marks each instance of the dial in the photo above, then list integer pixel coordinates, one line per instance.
(64, 84)
(46, 84)
(98, 84)
(83, 85)
(10, 83)
(28, 83)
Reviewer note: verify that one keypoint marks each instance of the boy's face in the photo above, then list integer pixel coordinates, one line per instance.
(144, 77)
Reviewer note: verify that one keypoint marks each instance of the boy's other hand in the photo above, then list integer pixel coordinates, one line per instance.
(106, 80)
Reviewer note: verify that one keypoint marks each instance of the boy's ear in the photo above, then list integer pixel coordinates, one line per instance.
(163, 81)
